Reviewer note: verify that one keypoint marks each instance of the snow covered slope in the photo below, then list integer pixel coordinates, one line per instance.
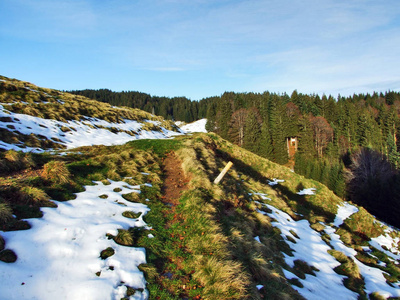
(72, 134)
(197, 126)
(308, 246)
(59, 257)
(36, 119)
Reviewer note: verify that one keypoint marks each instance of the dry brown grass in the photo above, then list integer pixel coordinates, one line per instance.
(56, 172)
(124, 238)
(221, 279)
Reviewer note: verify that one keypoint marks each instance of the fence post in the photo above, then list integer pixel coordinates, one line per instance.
(222, 174)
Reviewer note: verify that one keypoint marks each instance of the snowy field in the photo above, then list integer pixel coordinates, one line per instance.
(310, 247)
(58, 258)
(87, 132)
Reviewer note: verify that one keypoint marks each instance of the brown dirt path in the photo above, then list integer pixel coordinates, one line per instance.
(175, 180)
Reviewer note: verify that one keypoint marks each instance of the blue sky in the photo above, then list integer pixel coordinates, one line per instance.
(202, 48)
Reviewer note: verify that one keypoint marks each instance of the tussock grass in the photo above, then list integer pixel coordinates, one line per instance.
(132, 197)
(33, 195)
(124, 238)
(106, 253)
(347, 267)
(221, 280)
(131, 214)
(11, 161)
(56, 172)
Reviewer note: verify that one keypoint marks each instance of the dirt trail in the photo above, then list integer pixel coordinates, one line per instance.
(175, 180)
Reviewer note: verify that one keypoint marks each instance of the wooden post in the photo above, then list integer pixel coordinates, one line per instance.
(222, 174)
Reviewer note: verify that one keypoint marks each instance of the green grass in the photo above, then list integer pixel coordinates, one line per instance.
(159, 147)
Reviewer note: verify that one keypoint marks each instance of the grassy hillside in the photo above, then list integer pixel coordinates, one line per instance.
(204, 244)
(66, 115)
(252, 236)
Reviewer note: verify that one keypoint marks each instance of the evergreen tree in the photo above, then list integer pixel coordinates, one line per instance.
(266, 148)
(223, 117)
(252, 132)
(277, 113)
(393, 154)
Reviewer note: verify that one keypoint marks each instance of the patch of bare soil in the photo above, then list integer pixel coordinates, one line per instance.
(175, 180)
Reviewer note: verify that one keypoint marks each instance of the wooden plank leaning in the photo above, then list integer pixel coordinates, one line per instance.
(222, 174)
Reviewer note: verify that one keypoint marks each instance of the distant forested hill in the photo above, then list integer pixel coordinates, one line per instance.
(177, 108)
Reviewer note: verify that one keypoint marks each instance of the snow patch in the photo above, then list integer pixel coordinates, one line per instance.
(197, 126)
(58, 258)
(310, 191)
(275, 181)
(310, 247)
(343, 213)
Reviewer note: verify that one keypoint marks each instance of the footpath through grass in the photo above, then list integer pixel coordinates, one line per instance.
(202, 243)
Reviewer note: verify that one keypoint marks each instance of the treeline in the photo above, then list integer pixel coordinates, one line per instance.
(327, 128)
(176, 108)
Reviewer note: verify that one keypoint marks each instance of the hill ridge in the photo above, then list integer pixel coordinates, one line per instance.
(249, 237)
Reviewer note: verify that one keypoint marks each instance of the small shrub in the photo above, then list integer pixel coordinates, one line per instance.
(56, 172)
(124, 238)
(5, 213)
